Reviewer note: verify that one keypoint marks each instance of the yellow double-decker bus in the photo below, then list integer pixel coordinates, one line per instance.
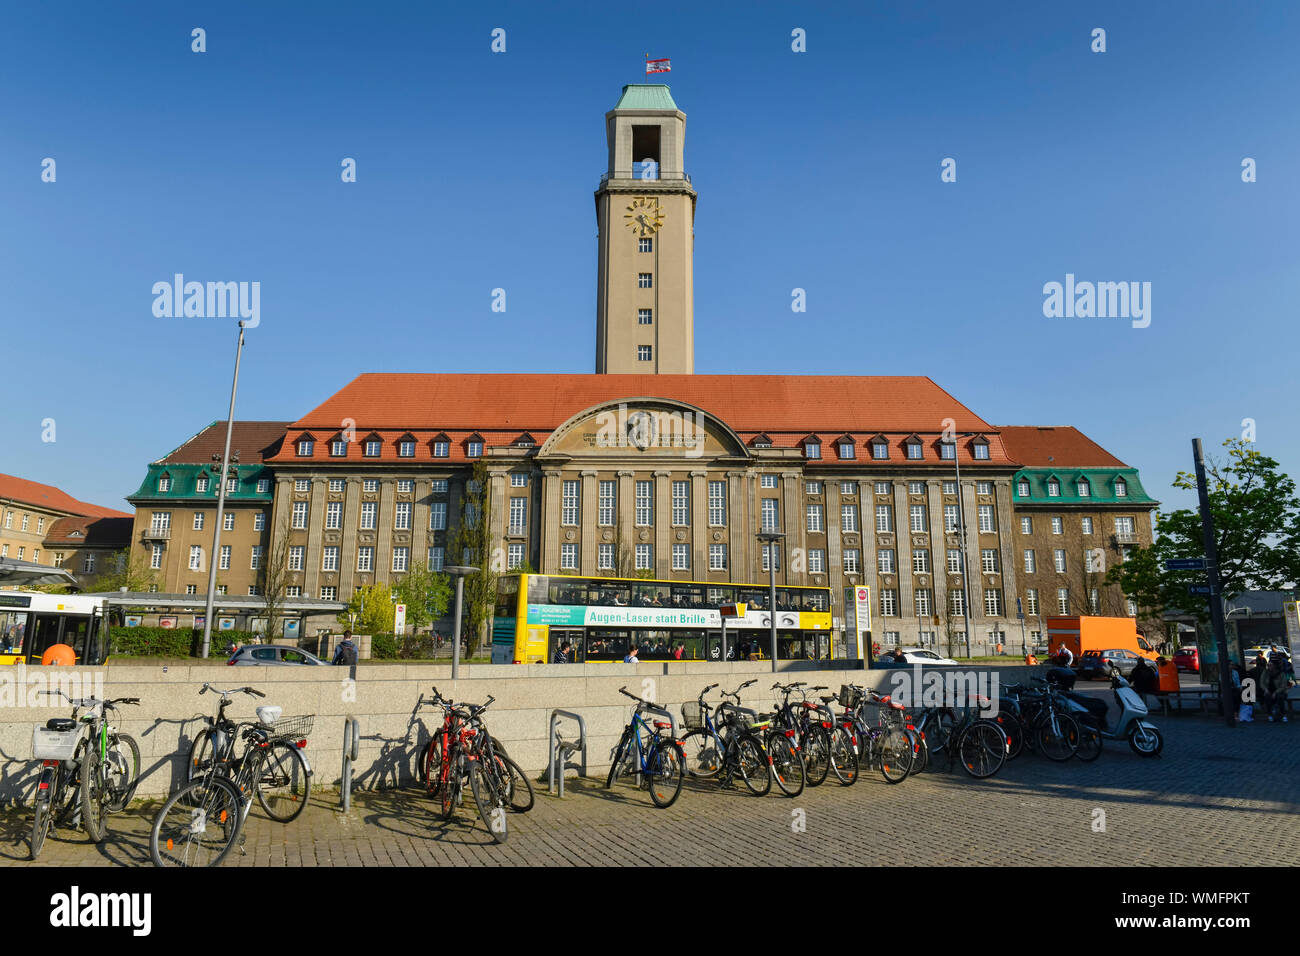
(603, 618)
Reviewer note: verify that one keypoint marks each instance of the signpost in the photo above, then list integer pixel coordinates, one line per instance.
(1185, 564)
(726, 611)
(1203, 589)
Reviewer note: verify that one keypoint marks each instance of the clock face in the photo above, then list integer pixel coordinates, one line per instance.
(644, 215)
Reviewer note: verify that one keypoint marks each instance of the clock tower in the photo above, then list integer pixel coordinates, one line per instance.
(645, 215)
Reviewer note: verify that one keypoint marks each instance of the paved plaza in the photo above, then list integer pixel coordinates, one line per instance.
(1217, 797)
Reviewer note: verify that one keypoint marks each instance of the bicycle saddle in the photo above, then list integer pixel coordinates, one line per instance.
(60, 723)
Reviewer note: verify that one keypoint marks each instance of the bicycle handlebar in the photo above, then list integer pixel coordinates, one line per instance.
(252, 692)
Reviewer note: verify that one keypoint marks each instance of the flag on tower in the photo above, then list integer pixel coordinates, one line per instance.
(657, 66)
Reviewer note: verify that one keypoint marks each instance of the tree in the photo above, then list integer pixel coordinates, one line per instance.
(371, 610)
(472, 545)
(273, 578)
(1257, 535)
(130, 570)
(425, 593)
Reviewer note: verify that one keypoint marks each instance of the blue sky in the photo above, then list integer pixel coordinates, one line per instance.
(816, 170)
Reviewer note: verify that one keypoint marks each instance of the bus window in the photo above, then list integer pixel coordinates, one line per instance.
(687, 595)
(720, 596)
(783, 600)
(45, 633)
(13, 631)
(75, 632)
(612, 593)
(816, 601)
(537, 589)
(753, 598)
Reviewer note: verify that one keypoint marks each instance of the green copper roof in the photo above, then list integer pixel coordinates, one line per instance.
(645, 96)
(183, 484)
(1101, 485)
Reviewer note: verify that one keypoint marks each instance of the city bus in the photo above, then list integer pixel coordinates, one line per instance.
(31, 621)
(602, 617)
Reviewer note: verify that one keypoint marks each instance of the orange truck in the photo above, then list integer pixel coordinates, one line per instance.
(1084, 633)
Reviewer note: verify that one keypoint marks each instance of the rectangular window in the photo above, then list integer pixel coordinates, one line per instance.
(1124, 526)
(1092, 561)
(302, 484)
(981, 452)
(924, 605)
(849, 519)
(196, 558)
(884, 518)
(254, 590)
(950, 517)
(644, 557)
(992, 599)
(606, 500)
(681, 557)
(767, 481)
(717, 503)
(816, 561)
(474, 449)
(370, 484)
(681, 503)
(402, 516)
(954, 561)
(813, 488)
(58, 559)
(369, 509)
(770, 513)
(947, 451)
(338, 449)
(406, 449)
(717, 557)
(644, 317)
(569, 491)
(518, 479)
(329, 593)
(295, 557)
(986, 518)
(1031, 562)
(815, 514)
(644, 280)
(159, 521)
(888, 602)
(921, 562)
(892, 638)
(400, 557)
(568, 557)
(232, 485)
(372, 448)
(883, 488)
(436, 558)
(880, 451)
(514, 555)
(224, 564)
(441, 449)
(852, 561)
(201, 484)
(1087, 525)
(847, 450)
(950, 487)
(645, 244)
(1094, 600)
(305, 448)
(228, 521)
(334, 515)
(191, 589)
(1056, 526)
(913, 449)
(1059, 560)
(405, 486)
(1022, 488)
(885, 561)
(329, 558)
(365, 558)
(983, 487)
(438, 516)
(1031, 601)
(255, 557)
(989, 560)
(605, 557)
(263, 485)
(916, 487)
(1026, 525)
(917, 517)
(957, 602)
(299, 515)
(1063, 600)
(812, 449)
(336, 484)
(645, 503)
(198, 521)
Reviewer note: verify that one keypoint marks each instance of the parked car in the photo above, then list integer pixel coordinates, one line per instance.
(1268, 650)
(1188, 659)
(272, 654)
(1095, 665)
(919, 655)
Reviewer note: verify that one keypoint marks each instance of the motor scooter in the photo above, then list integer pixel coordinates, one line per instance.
(1130, 724)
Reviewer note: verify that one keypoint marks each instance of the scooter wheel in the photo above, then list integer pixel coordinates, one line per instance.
(1146, 741)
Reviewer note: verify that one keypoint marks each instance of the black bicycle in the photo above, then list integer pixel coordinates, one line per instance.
(727, 749)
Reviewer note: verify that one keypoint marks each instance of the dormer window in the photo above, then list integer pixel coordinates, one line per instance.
(1053, 488)
(305, 447)
(846, 447)
(441, 446)
(948, 450)
(812, 448)
(761, 441)
(1084, 488)
(912, 448)
(980, 448)
(525, 441)
(474, 446)
(164, 482)
(1121, 488)
(406, 448)
(1022, 488)
(880, 448)
(373, 447)
(201, 484)
(338, 448)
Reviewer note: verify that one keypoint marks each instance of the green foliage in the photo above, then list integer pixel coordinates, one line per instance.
(170, 641)
(425, 593)
(371, 611)
(130, 570)
(1257, 535)
(383, 647)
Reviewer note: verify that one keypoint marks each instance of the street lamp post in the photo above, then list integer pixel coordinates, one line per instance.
(459, 571)
(770, 538)
(961, 532)
(221, 503)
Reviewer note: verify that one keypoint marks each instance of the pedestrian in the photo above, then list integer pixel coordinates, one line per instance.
(1276, 685)
(561, 655)
(1065, 656)
(631, 655)
(346, 652)
(1245, 711)
(678, 651)
(897, 657)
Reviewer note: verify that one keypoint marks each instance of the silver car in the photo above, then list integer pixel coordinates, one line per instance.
(272, 654)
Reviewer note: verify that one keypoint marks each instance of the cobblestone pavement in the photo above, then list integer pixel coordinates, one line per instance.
(1217, 797)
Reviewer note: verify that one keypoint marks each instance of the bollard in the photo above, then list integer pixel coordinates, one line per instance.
(351, 750)
(560, 750)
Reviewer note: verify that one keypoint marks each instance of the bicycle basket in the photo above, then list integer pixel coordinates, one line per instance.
(693, 715)
(292, 727)
(850, 697)
(54, 744)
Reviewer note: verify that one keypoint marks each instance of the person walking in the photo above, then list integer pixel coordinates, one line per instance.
(561, 655)
(1276, 685)
(346, 652)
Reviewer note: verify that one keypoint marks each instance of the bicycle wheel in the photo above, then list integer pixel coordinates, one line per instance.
(432, 764)
(42, 820)
(520, 792)
(449, 791)
(703, 755)
(817, 752)
(665, 771)
(1010, 725)
(983, 749)
(283, 784)
(199, 759)
(752, 764)
(844, 759)
(616, 768)
(123, 771)
(785, 763)
(1089, 748)
(491, 809)
(94, 795)
(1057, 734)
(920, 754)
(198, 825)
(895, 752)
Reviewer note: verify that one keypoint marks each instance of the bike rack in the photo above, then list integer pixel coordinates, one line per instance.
(560, 750)
(351, 749)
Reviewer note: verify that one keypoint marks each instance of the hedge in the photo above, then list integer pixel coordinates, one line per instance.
(383, 646)
(170, 641)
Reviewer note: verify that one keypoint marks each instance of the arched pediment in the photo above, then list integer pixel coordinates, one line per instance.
(649, 427)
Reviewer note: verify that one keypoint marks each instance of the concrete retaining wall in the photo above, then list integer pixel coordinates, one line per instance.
(384, 700)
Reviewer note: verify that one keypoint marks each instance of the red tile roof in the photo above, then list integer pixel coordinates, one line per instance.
(90, 532)
(47, 496)
(787, 408)
(1064, 445)
(255, 442)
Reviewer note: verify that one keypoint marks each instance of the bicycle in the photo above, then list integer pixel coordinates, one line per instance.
(463, 751)
(887, 745)
(979, 743)
(844, 751)
(811, 736)
(65, 746)
(658, 763)
(735, 750)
